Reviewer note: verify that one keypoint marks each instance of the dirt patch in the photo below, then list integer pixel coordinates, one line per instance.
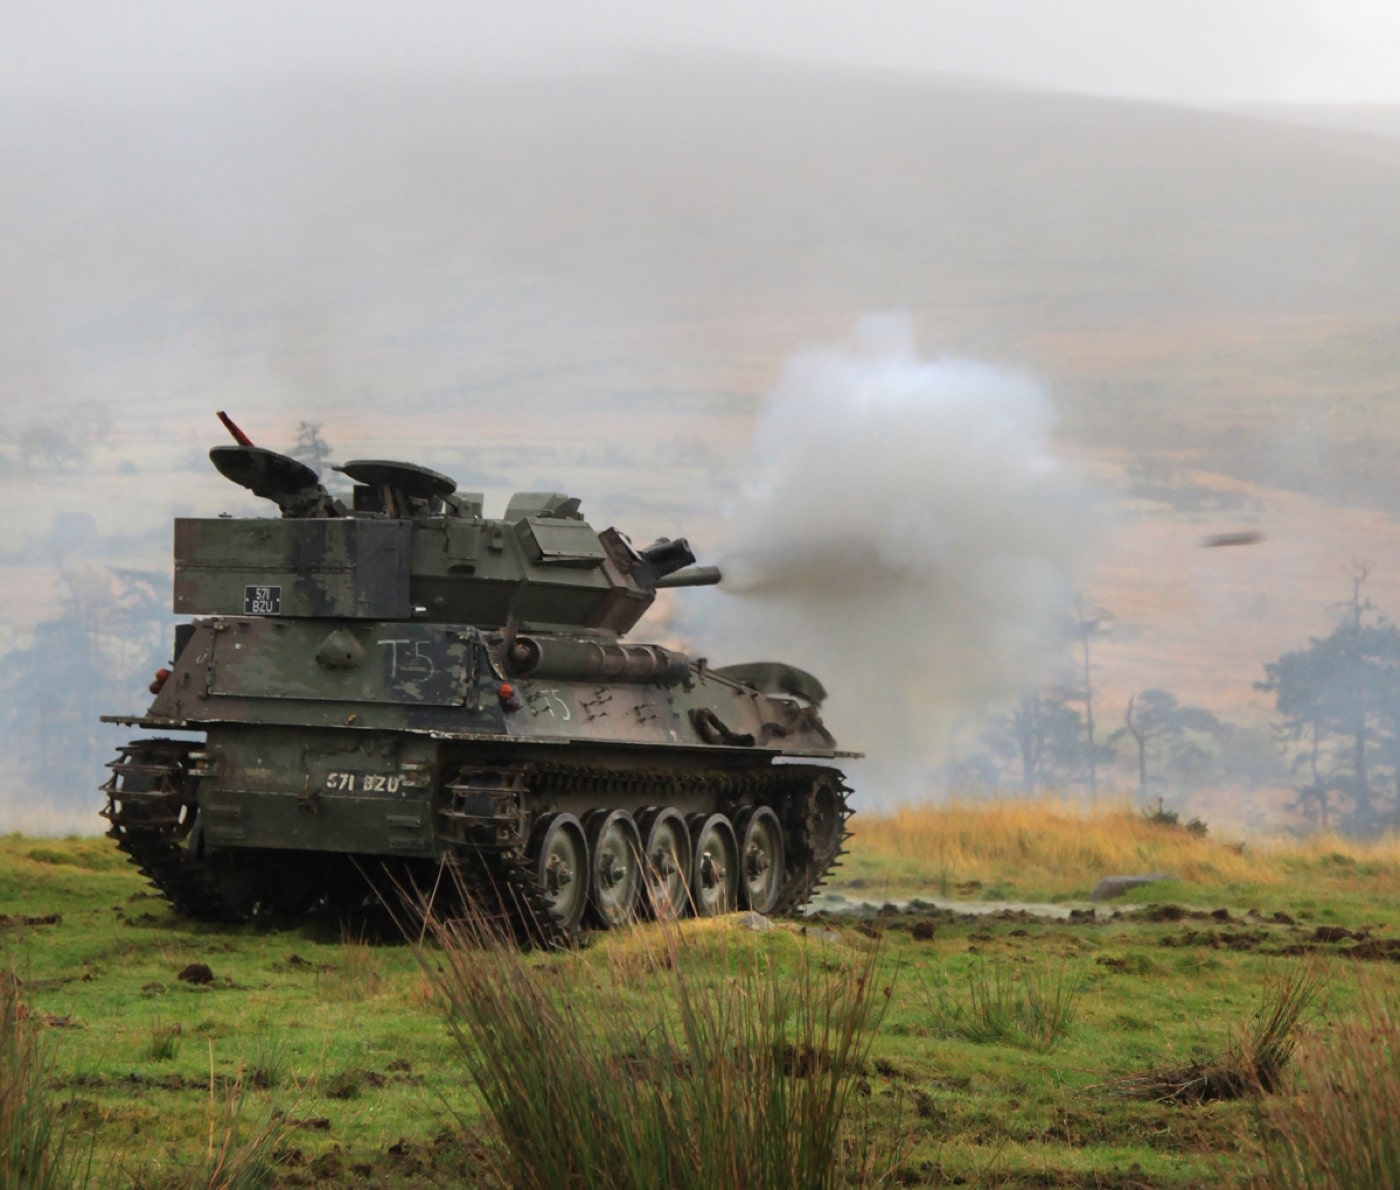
(1382, 949)
(9, 922)
(1367, 949)
(927, 1173)
(296, 963)
(1164, 913)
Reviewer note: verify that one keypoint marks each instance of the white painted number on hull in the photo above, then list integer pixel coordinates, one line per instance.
(342, 782)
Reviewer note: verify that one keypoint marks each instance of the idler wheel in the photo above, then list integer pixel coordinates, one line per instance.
(760, 858)
(666, 862)
(615, 872)
(826, 817)
(714, 871)
(559, 852)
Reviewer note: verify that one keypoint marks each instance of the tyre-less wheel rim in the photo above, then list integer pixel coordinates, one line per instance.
(666, 854)
(616, 871)
(714, 876)
(562, 868)
(761, 860)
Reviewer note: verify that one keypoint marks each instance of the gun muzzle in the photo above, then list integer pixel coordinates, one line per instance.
(691, 576)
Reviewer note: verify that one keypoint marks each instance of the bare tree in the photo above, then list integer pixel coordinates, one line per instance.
(1090, 622)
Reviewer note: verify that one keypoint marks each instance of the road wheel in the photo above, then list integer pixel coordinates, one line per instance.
(666, 862)
(615, 868)
(714, 871)
(560, 857)
(761, 859)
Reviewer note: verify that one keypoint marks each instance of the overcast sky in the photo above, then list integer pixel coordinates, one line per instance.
(1196, 51)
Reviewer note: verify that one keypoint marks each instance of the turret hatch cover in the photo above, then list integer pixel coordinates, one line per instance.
(263, 472)
(419, 483)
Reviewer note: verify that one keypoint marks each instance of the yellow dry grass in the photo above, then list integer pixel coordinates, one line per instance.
(1056, 846)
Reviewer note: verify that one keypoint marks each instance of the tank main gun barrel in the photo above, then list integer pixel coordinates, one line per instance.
(691, 576)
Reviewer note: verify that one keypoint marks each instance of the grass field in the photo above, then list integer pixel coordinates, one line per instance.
(1001, 1050)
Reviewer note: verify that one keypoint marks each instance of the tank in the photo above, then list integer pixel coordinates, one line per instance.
(373, 691)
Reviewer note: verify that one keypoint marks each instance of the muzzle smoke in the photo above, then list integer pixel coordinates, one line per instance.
(909, 534)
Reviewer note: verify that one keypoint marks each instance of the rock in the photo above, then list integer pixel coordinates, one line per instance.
(1116, 886)
(922, 931)
(753, 921)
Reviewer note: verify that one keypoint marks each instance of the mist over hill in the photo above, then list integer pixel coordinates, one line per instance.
(590, 282)
(381, 241)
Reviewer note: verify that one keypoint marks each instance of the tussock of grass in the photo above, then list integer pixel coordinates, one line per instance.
(1254, 1061)
(1060, 848)
(355, 974)
(740, 1076)
(165, 1042)
(35, 1152)
(269, 1063)
(1339, 1127)
(1031, 1009)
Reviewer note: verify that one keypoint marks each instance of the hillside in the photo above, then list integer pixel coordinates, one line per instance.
(591, 282)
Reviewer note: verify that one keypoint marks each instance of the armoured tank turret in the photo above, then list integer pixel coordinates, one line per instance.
(404, 683)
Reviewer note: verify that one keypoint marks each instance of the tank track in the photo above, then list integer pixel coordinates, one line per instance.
(151, 808)
(811, 801)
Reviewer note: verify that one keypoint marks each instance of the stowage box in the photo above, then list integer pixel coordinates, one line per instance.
(347, 568)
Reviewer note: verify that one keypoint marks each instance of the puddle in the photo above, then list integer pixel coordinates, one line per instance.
(836, 904)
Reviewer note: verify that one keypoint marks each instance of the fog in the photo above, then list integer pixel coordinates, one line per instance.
(1295, 51)
(630, 262)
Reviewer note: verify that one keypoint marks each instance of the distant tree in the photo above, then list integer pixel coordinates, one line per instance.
(1040, 741)
(1339, 706)
(1155, 717)
(311, 448)
(93, 657)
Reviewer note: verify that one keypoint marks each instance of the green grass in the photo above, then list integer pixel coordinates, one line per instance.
(349, 1042)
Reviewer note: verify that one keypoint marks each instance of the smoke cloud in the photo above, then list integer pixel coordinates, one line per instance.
(909, 534)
